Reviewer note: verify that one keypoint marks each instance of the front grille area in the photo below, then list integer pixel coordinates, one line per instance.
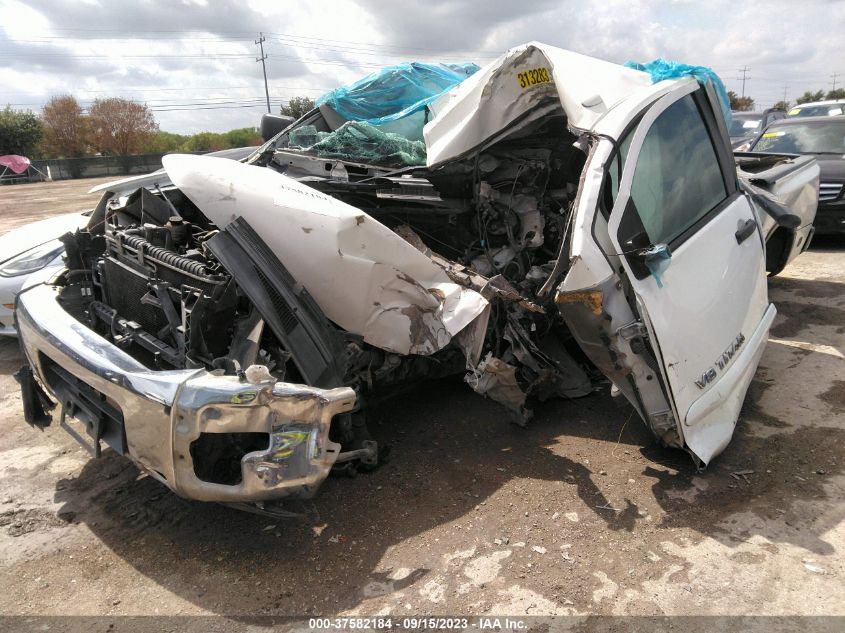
(164, 305)
(829, 191)
(125, 288)
(101, 416)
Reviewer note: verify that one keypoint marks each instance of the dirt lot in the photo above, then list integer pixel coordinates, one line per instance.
(579, 513)
(25, 203)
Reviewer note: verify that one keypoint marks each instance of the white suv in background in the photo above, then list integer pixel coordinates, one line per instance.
(831, 107)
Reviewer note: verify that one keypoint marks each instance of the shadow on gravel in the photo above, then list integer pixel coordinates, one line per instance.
(828, 243)
(10, 356)
(797, 310)
(451, 452)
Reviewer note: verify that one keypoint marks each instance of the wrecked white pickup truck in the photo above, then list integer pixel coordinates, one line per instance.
(224, 324)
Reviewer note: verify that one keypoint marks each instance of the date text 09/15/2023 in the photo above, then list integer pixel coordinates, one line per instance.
(411, 623)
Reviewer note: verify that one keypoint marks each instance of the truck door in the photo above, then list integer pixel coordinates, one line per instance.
(689, 244)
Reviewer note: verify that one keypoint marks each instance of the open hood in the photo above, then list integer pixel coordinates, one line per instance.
(363, 276)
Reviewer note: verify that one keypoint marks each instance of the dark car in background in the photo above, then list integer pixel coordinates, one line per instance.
(824, 138)
(745, 126)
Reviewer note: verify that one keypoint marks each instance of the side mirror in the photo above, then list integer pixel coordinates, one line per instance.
(642, 256)
(646, 258)
(781, 214)
(272, 124)
(638, 242)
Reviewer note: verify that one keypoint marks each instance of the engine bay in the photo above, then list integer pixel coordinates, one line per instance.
(148, 275)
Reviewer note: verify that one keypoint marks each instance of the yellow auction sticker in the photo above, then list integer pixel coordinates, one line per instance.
(794, 111)
(284, 443)
(533, 77)
(243, 397)
(773, 134)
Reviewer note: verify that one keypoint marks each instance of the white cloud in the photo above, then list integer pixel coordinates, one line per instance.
(180, 54)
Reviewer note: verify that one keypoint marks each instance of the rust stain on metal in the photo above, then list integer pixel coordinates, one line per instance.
(593, 299)
(422, 331)
(441, 296)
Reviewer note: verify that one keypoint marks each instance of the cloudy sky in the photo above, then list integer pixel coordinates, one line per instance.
(194, 61)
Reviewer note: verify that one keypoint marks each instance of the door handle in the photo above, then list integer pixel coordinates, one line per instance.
(745, 230)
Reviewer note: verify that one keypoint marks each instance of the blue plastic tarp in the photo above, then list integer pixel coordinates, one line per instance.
(395, 92)
(661, 69)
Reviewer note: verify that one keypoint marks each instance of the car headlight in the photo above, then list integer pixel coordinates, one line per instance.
(33, 259)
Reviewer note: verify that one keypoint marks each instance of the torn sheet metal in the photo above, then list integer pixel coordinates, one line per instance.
(514, 88)
(496, 379)
(364, 277)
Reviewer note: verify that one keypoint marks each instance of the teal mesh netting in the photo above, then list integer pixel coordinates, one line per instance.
(396, 91)
(360, 142)
(660, 69)
(395, 100)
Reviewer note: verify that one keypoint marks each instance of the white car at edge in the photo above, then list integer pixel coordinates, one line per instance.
(28, 249)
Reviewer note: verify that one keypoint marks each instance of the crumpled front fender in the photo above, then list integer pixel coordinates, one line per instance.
(158, 415)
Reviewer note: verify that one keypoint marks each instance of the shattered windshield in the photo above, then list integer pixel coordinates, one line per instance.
(378, 120)
(360, 142)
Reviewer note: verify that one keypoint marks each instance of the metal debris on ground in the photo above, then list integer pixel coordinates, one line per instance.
(743, 474)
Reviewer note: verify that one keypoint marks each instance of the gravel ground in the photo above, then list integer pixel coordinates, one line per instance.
(580, 513)
(25, 203)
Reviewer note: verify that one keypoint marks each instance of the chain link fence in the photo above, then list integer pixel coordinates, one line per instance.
(95, 166)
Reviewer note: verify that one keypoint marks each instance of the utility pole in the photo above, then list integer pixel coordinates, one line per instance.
(834, 76)
(260, 41)
(744, 71)
(784, 92)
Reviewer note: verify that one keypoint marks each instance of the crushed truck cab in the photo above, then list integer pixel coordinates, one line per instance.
(576, 225)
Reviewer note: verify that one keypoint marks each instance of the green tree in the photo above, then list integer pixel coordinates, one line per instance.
(243, 137)
(740, 104)
(20, 132)
(205, 142)
(839, 93)
(782, 105)
(809, 96)
(165, 142)
(297, 106)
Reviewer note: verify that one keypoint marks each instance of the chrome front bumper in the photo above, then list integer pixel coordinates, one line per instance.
(164, 412)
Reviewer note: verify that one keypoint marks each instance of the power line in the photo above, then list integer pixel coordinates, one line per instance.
(202, 56)
(380, 53)
(227, 107)
(744, 71)
(248, 35)
(186, 90)
(111, 56)
(166, 102)
(186, 106)
(260, 41)
(340, 47)
(371, 45)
